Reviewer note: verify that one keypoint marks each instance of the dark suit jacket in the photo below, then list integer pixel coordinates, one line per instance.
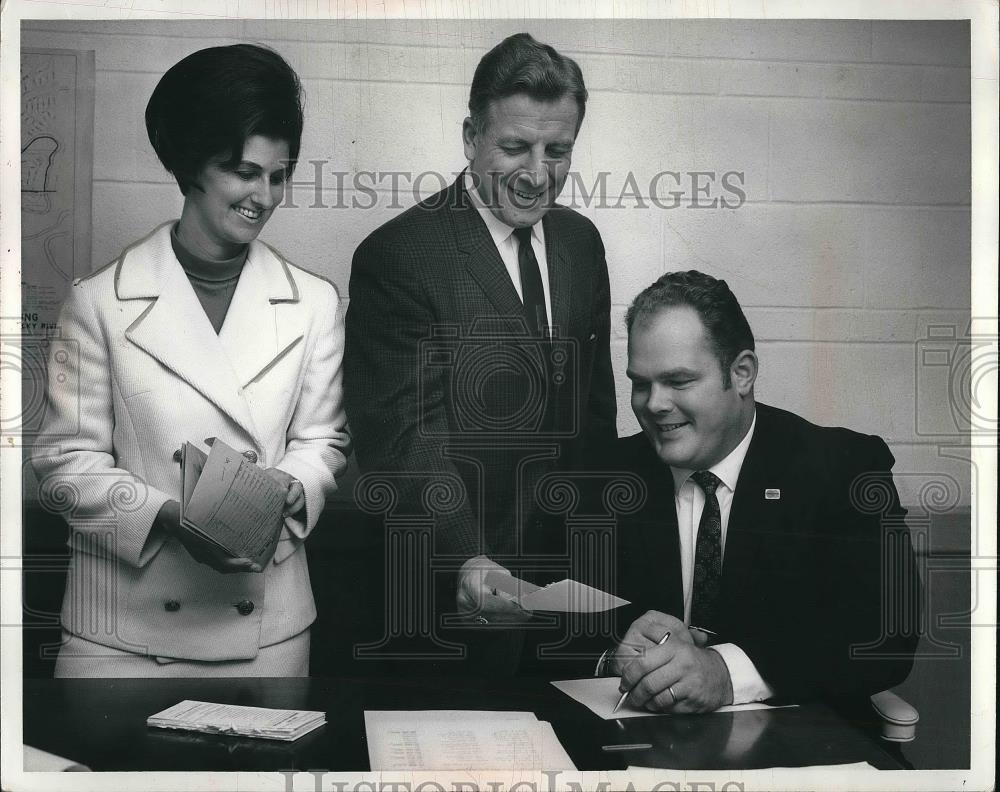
(443, 384)
(819, 587)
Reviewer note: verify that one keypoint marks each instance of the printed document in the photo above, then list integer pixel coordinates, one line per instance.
(462, 740)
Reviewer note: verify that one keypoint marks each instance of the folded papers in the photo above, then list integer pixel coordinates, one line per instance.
(210, 718)
(230, 502)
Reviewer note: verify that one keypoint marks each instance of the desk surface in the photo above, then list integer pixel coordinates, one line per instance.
(101, 723)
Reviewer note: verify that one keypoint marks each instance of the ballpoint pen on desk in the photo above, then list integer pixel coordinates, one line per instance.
(621, 701)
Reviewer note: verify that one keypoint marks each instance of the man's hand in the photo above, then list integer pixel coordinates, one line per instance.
(476, 598)
(644, 634)
(678, 676)
(295, 494)
(168, 519)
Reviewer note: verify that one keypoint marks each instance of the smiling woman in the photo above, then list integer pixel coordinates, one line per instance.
(199, 331)
(228, 208)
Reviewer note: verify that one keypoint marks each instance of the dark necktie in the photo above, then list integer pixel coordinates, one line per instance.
(707, 555)
(532, 294)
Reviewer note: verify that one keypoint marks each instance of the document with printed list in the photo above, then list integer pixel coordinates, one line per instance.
(462, 740)
(230, 502)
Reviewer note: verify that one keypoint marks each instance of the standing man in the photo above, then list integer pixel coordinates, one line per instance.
(784, 541)
(478, 327)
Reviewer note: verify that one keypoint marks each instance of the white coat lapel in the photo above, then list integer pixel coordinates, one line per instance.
(264, 322)
(174, 329)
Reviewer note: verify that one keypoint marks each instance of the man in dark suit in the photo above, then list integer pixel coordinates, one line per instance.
(478, 329)
(783, 541)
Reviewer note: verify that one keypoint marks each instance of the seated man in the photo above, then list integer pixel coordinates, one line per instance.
(782, 540)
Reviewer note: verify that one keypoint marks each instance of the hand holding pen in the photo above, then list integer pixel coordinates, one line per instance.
(663, 640)
(682, 675)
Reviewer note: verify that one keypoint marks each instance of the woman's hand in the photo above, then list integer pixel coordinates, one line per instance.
(295, 495)
(168, 519)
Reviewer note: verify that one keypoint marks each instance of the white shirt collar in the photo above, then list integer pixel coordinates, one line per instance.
(499, 230)
(727, 469)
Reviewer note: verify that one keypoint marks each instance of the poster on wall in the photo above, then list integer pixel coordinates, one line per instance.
(57, 145)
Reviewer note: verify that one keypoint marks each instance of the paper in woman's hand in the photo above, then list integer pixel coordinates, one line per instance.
(230, 502)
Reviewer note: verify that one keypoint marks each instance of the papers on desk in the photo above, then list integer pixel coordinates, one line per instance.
(564, 596)
(462, 740)
(601, 694)
(210, 718)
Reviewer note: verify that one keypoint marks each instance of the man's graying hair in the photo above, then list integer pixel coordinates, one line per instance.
(520, 64)
(715, 304)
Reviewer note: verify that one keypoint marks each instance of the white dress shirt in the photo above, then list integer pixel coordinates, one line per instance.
(507, 246)
(689, 500)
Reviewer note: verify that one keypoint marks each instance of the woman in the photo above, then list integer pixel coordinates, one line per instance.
(198, 331)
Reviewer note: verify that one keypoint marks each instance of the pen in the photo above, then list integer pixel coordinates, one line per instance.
(627, 747)
(621, 701)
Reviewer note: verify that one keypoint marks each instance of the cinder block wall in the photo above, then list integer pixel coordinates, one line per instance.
(852, 138)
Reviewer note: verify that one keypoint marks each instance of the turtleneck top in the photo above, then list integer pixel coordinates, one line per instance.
(214, 281)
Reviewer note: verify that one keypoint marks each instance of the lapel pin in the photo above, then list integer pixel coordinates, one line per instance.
(772, 494)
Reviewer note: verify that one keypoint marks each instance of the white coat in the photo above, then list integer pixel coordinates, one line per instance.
(138, 370)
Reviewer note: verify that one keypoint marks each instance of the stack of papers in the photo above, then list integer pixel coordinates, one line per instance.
(462, 740)
(210, 718)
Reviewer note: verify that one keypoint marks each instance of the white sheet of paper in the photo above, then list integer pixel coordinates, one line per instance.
(600, 694)
(462, 740)
(564, 596)
(569, 596)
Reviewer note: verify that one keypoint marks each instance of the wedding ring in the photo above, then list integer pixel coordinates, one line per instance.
(673, 696)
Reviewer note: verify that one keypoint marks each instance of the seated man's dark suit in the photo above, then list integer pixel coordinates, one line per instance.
(438, 371)
(818, 560)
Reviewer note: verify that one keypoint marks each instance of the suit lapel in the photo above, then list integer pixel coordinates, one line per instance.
(264, 322)
(655, 544)
(260, 326)
(560, 275)
(752, 514)
(482, 258)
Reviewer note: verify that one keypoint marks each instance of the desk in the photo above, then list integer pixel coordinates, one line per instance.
(101, 723)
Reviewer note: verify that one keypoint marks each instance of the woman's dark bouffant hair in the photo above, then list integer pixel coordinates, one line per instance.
(209, 103)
